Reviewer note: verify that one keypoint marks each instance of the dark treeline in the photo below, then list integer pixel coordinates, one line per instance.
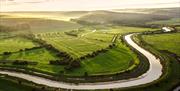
(71, 34)
(21, 50)
(171, 54)
(74, 63)
(74, 32)
(158, 32)
(65, 58)
(24, 62)
(19, 62)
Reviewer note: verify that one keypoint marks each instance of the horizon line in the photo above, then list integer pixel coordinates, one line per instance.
(89, 10)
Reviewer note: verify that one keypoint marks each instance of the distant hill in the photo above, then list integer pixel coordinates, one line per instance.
(39, 25)
(128, 18)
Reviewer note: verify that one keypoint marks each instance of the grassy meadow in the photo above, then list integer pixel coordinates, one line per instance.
(15, 44)
(12, 85)
(168, 42)
(114, 60)
(76, 46)
(78, 34)
(38, 25)
(173, 21)
(54, 30)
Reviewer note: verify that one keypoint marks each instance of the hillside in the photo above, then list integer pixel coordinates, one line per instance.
(39, 25)
(133, 18)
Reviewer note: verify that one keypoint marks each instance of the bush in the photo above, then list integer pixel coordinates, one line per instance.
(6, 53)
(85, 74)
(75, 64)
(68, 67)
(59, 62)
(17, 62)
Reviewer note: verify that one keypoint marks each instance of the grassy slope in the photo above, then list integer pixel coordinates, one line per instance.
(178, 28)
(105, 17)
(171, 78)
(91, 41)
(166, 84)
(40, 25)
(42, 56)
(39, 55)
(169, 42)
(134, 17)
(76, 46)
(173, 21)
(15, 44)
(58, 15)
(14, 86)
(125, 29)
(6, 85)
(115, 60)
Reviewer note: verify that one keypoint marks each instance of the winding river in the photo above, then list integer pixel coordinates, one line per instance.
(154, 72)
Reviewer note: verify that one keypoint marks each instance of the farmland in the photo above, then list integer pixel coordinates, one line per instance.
(37, 25)
(116, 59)
(15, 44)
(168, 42)
(83, 45)
(76, 41)
(76, 46)
(165, 45)
(173, 21)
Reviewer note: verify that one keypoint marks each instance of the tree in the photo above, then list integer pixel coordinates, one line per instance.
(19, 82)
(6, 53)
(75, 63)
(85, 74)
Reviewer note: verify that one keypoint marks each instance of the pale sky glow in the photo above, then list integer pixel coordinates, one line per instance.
(78, 5)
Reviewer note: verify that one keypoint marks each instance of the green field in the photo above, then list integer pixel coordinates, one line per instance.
(173, 21)
(76, 46)
(54, 32)
(40, 55)
(58, 36)
(168, 42)
(6, 85)
(114, 60)
(15, 44)
(178, 28)
(126, 29)
(122, 56)
(155, 43)
(37, 25)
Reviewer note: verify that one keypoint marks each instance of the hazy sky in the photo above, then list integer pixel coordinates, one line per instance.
(77, 5)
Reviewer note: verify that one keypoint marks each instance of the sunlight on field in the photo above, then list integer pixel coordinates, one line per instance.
(39, 15)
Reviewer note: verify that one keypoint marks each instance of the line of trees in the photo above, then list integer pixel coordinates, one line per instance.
(20, 50)
(23, 62)
(75, 63)
(71, 34)
(19, 62)
(65, 58)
